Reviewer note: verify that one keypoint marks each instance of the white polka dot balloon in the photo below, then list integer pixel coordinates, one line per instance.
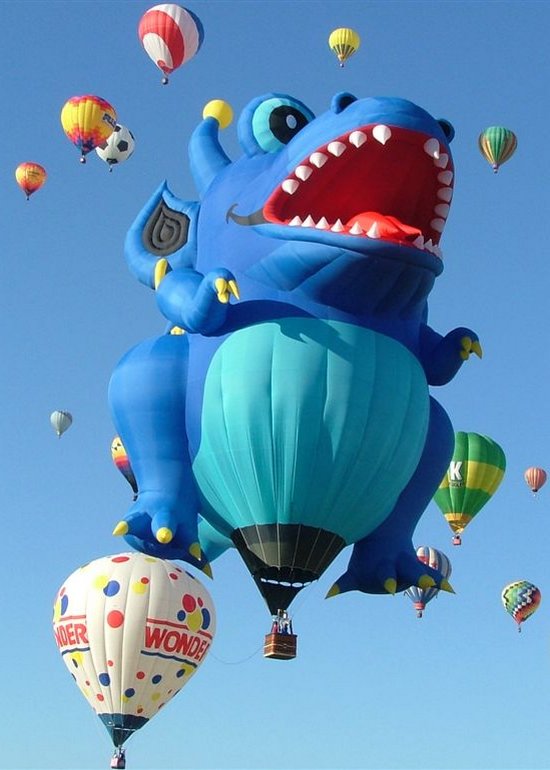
(132, 630)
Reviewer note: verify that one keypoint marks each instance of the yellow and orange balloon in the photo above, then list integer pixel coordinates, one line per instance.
(30, 177)
(88, 121)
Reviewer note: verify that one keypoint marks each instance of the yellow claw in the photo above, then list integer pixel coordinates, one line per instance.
(224, 289)
(233, 289)
(425, 581)
(466, 345)
(195, 551)
(161, 268)
(390, 585)
(446, 586)
(207, 569)
(476, 348)
(177, 330)
(164, 535)
(121, 528)
(221, 287)
(334, 591)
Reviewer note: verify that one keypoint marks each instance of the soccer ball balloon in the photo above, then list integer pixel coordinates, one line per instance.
(118, 147)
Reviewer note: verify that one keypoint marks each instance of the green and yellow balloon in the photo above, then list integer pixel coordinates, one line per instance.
(497, 145)
(473, 476)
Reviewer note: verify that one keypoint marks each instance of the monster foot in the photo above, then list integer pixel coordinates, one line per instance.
(162, 534)
(377, 573)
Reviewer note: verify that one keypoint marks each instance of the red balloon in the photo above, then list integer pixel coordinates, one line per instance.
(171, 35)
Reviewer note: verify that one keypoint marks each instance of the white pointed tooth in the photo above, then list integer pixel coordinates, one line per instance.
(437, 251)
(337, 227)
(373, 231)
(442, 210)
(290, 186)
(429, 245)
(357, 138)
(356, 229)
(442, 161)
(318, 159)
(322, 224)
(336, 148)
(445, 177)
(445, 194)
(381, 133)
(432, 148)
(438, 224)
(308, 221)
(296, 221)
(303, 172)
(419, 242)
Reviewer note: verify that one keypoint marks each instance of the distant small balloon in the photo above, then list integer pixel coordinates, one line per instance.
(497, 145)
(344, 42)
(436, 560)
(87, 121)
(61, 421)
(118, 147)
(122, 463)
(30, 177)
(521, 599)
(535, 478)
(171, 36)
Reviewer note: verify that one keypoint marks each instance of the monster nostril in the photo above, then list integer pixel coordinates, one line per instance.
(342, 100)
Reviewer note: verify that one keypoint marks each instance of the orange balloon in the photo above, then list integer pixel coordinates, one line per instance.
(30, 177)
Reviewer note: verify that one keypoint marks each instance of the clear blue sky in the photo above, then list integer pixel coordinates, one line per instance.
(373, 687)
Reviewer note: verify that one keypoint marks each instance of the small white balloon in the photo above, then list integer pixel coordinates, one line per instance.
(61, 421)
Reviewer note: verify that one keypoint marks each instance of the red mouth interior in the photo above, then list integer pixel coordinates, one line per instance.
(395, 185)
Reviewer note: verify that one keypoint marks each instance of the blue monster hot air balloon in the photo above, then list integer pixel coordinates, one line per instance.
(293, 412)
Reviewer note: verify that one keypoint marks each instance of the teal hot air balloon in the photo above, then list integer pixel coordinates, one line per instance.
(521, 599)
(497, 145)
(286, 472)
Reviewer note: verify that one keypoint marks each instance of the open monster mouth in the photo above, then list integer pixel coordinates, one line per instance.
(380, 182)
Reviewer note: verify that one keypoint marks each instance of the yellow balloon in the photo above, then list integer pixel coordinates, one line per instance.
(88, 121)
(344, 42)
(219, 110)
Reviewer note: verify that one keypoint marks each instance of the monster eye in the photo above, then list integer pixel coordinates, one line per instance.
(277, 120)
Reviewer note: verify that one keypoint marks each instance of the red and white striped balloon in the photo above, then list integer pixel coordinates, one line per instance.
(171, 35)
(535, 478)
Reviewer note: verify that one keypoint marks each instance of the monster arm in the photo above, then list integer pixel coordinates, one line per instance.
(441, 356)
(195, 302)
